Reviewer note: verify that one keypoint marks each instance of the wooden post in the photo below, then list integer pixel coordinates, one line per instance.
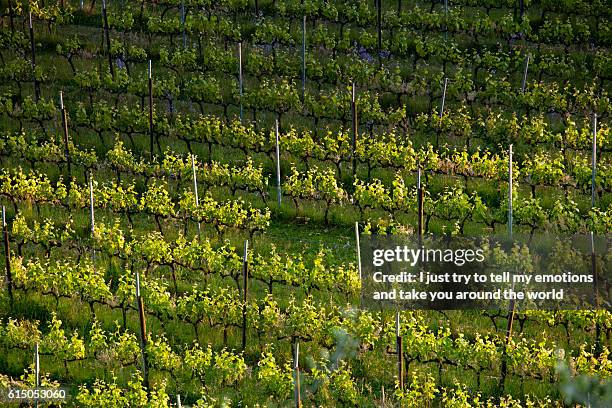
(65, 128)
(504, 356)
(91, 215)
(354, 128)
(151, 108)
(379, 29)
(7, 256)
(594, 161)
(245, 283)
(512, 304)
(178, 401)
(143, 334)
(107, 35)
(511, 307)
(358, 248)
(33, 51)
(400, 352)
(10, 11)
(593, 195)
(510, 192)
(443, 97)
(240, 84)
(296, 367)
(195, 188)
(511, 310)
(419, 206)
(303, 58)
(279, 194)
(524, 84)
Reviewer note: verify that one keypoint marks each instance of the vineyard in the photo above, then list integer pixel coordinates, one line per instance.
(184, 184)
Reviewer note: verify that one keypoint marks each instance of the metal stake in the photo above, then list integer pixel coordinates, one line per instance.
(195, 188)
(240, 84)
(443, 97)
(278, 169)
(245, 281)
